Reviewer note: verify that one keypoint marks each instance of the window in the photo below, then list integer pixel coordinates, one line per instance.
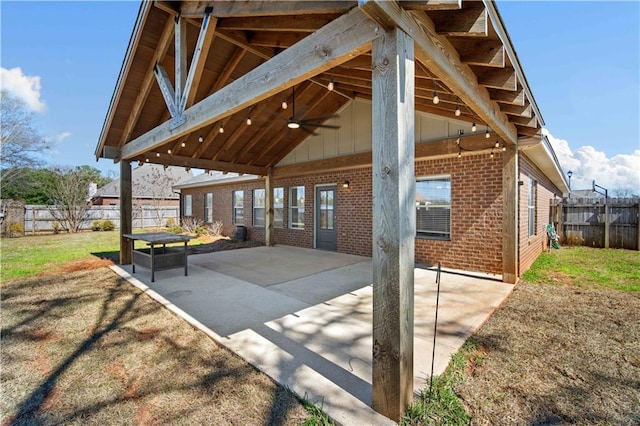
(238, 207)
(278, 207)
(433, 208)
(258, 207)
(208, 207)
(187, 205)
(532, 207)
(296, 207)
(326, 209)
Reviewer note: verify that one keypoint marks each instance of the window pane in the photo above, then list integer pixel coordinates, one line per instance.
(278, 218)
(296, 207)
(329, 219)
(258, 217)
(278, 198)
(433, 207)
(258, 198)
(187, 205)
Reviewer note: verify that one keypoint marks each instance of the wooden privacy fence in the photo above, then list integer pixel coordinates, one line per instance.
(40, 218)
(596, 222)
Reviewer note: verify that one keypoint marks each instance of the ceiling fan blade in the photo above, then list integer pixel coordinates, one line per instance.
(324, 126)
(306, 129)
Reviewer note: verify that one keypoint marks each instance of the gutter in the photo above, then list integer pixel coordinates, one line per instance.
(143, 12)
(501, 31)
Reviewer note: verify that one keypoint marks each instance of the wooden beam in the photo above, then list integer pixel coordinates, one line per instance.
(293, 23)
(180, 58)
(471, 21)
(223, 9)
(203, 46)
(508, 97)
(504, 79)
(431, 4)
(126, 210)
(528, 131)
(268, 225)
(201, 163)
(526, 121)
(166, 88)
(486, 53)
(241, 41)
(441, 58)
(345, 162)
(147, 83)
(393, 223)
(333, 44)
(510, 215)
(517, 110)
(272, 39)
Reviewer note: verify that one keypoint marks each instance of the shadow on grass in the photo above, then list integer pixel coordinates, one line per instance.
(36, 309)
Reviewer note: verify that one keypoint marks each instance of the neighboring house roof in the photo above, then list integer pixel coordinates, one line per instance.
(151, 181)
(585, 193)
(214, 178)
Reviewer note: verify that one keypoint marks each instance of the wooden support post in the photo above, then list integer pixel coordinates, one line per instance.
(268, 225)
(393, 222)
(126, 207)
(510, 215)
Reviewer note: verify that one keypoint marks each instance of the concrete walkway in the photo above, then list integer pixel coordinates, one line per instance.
(304, 317)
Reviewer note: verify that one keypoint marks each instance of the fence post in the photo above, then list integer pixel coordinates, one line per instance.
(606, 223)
(638, 225)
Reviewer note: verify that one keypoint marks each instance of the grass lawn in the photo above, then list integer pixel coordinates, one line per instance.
(563, 349)
(37, 254)
(86, 347)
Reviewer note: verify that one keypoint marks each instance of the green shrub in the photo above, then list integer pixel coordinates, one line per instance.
(175, 229)
(16, 229)
(200, 230)
(96, 225)
(108, 225)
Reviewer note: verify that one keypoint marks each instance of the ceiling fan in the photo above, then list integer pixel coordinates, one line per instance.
(307, 123)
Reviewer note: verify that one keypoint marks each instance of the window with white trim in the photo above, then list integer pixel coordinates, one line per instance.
(278, 207)
(296, 207)
(208, 207)
(238, 207)
(187, 205)
(531, 207)
(258, 207)
(433, 207)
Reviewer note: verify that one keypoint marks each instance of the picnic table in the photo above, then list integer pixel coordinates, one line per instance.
(159, 258)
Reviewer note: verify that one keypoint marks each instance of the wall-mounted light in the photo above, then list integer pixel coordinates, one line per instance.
(345, 184)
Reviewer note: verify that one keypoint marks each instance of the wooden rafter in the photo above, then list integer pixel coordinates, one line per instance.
(201, 51)
(279, 40)
(504, 79)
(331, 45)
(486, 53)
(431, 4)
(292, 23)
(517, 110)
(224, 9)
(516, 97)
(147, 83)
(471, 21)
(439, 56)
(201, 163)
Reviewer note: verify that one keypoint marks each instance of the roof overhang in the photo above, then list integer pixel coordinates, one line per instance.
(541, 153)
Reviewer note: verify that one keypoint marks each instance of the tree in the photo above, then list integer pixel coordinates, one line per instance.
(33, 186)
(20, 140)
(69, 194)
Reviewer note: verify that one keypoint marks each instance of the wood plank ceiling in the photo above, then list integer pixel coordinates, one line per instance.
(244, 39)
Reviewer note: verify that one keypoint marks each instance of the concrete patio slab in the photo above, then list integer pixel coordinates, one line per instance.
(304, 317)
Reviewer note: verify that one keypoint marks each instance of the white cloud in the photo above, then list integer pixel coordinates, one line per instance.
(22, 86)
(62, 136)
(621, 171)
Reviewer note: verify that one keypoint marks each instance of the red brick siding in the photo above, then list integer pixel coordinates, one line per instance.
(476, 234)
(531, 247)
(476, 214)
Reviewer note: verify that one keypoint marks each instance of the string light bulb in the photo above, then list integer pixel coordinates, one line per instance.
(491, 156)
(249, 121)
(221, 129)
(458, 111)
(436, 98)
(497, 144)
(487, 134)
(331, 85)
(146, 160)
(504, 148)
(183, 144)
(200, 139)
(284, 103)
(474, 127)
(157, 154)
(169, 151)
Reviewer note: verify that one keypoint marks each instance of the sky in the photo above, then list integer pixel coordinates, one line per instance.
(581, 60)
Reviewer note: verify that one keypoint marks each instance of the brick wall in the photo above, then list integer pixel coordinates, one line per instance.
(476, 223)
(531, 247)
